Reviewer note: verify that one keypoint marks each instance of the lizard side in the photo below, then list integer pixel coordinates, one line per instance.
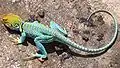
(43, 34)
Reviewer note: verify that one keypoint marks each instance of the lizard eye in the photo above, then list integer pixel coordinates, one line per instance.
(11, 25)
(5, 19)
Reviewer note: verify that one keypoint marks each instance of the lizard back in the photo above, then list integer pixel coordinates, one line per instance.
(35, 29)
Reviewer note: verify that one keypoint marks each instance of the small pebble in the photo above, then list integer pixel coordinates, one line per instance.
(76, 31)
(71, 0)
(6, 32)
(0, 55)
(32, 18)
(57, 6)
(85, 38)
(7, 58)
(53, 0)
(13, 1)
(100, 37)
(53, 60)
(41, 13)
(86, 32)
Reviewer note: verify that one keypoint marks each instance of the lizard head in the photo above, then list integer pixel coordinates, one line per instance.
(12, 21)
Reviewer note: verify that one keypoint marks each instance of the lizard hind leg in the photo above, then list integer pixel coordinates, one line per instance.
(57, 27)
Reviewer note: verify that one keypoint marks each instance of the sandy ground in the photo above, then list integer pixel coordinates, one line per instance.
(69, 14)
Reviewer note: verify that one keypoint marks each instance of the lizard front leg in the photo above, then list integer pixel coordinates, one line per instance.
(21, 39)
(38, 41)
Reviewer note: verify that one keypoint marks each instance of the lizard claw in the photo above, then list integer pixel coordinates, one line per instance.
(30, 58)
(33, 57)
(15, 41)
(40, 59)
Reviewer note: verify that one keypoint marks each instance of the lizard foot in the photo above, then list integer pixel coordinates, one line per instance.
(39, 58)
(34, 57)
(14, 40)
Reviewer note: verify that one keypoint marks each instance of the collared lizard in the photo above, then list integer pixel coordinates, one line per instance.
(42, 34)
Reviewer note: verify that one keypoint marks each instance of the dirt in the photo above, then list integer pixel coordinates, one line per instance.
(71, 15)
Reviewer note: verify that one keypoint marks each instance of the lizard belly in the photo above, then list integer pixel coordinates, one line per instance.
(32, 35)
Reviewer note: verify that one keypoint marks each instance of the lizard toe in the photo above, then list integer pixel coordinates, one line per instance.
(41, 59)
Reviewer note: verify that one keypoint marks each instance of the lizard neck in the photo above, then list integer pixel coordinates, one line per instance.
(21, 27)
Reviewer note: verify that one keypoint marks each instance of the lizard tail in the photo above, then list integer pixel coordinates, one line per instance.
(73, 44)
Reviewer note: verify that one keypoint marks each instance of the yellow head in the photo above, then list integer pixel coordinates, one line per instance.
(12, 21)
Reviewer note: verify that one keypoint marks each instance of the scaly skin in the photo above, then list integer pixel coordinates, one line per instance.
(42, 34)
